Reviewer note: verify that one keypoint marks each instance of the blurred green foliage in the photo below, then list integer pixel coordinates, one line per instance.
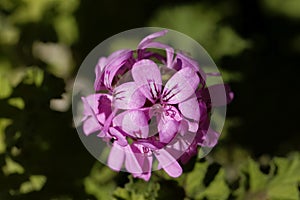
(218, 38)
(289, 8)
(280, 183)
(256, 45)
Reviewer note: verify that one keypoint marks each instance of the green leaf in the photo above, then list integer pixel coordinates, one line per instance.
(5, 87)
(194, 181)
(17, 102)
(31, 11)
(196, 189)
(121, 193)
(285, 184)
(12, 167)
(66, 29)
(218, 188)
(138, 189)
(252, 182)
(257, 180)
(34, 75)
(288, 170)
(3, 124)
(9, 34)
(35, 183)
(284, 191)
(100, 182)
(278, 184)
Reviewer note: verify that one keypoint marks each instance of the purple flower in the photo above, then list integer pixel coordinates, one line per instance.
(162, 114)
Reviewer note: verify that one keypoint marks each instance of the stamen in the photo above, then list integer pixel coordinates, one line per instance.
(169, 111)
(146, 150)
(173, 114)
(157, 109)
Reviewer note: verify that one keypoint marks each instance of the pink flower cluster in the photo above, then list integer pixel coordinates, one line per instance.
(158, 115)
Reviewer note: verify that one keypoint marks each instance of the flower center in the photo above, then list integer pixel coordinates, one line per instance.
(158, 109)
(169, 111)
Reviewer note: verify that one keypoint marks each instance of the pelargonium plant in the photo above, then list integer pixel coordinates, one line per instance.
(152, 107)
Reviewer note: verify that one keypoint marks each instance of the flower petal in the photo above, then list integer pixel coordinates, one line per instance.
(143, 44)
(135, 123)
(145, 160)
(167, 130)
(116, 157)
(180, 144)
(107, 123)
(151, 143)
(168, 163)
(99, 73)
(105, 105)
(97, 103)
(180, 86)
(191, 151)
(93, 120)
(128, 96)
(147, 168)
(90, 104)
(187, 62)
(146, 176)
(148, 78)
(91, 125)
(118, 119)
(156, 45)
(121, 139)
(170, 56)
(210, 138)
(219, 94)
(190, 109)
(101, 64)
(114, 62)
(131, 163)
(193, 126)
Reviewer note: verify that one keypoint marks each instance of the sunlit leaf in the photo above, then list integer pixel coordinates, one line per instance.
(67, 6)
(34, 75)
(66, 28)
(194, 181)
(285, 184)
(218, 188)
(31, 11)
(17, 102)
(257, 180)
(35, 183)
(12, 167)
(100, 183)
(138, 189)
(3, 124)
(121, 193)
(9, 34)
(5, 87)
